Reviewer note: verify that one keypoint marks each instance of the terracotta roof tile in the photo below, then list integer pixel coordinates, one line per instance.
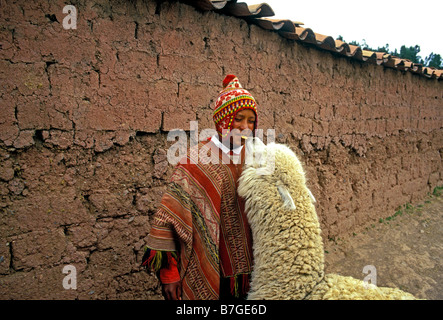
(355, 51)
(306, 35)
(342, 47)
(325, 42)
(277, 25)
(258, 14)
(257, 10)
(207, 5)
(232, 7)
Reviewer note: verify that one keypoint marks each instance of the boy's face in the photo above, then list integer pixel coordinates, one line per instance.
(242, 125)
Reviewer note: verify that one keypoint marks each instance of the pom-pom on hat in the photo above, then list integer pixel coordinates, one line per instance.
(232, 99)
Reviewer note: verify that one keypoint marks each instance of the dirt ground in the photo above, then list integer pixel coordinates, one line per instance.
(405, 249)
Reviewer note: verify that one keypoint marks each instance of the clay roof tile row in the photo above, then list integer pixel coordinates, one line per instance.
(258, 14)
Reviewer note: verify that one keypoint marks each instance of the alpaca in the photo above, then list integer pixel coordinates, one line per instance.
(288, 248)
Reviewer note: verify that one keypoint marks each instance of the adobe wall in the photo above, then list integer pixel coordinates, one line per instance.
(85, 115)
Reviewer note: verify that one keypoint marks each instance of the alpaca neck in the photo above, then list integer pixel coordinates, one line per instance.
(287, 253)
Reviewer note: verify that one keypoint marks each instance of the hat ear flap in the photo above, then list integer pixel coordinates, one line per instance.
(227, 80)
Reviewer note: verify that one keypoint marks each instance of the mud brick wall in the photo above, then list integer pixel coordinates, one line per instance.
(85, 114)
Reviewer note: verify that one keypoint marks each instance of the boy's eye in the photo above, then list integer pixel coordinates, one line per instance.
(240, 119)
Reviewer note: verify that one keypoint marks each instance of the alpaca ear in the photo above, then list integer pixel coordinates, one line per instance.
(288, 202)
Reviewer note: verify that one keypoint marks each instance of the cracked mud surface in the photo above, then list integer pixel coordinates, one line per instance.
(406, 250)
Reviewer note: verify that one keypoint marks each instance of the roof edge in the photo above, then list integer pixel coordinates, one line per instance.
(259, 14)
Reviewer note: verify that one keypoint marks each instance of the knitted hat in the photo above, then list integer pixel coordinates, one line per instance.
(232, 99)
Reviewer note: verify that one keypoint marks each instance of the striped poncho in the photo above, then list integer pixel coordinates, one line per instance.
(201, 221)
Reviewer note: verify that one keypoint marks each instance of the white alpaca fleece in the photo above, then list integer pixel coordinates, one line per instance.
(287, 243)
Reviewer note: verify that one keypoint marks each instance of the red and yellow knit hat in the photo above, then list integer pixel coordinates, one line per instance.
(232, 99)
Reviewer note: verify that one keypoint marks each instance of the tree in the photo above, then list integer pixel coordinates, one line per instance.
(385, 48)
(434, 61)
(411, 53)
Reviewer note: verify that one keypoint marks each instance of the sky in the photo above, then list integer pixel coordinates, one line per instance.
(379, 23)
